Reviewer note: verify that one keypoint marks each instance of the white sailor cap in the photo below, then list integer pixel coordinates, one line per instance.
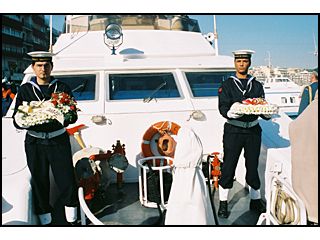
(243, 53)
(41, 56)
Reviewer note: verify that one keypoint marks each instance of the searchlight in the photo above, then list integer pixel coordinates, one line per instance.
(113, 37)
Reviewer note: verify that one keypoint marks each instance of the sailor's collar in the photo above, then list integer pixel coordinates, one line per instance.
(33, 82)
(249, 83)
(249, 77)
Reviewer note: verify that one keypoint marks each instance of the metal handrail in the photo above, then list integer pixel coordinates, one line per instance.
(143, 192)
(85, 211)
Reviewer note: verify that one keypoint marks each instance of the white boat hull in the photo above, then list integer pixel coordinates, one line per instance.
(17, 207)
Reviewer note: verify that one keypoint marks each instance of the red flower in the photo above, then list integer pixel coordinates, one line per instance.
(65, 95)
(59, 100)
(73, 107)
(55, 96)
(54, 102)
(62, 100)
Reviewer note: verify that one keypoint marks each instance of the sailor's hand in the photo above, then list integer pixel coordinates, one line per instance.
(266, 116)
(232, 112)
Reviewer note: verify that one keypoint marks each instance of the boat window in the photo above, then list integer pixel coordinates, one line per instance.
(206, 84)
(83, 86)
(292, 99)
(142, 86)
(284, 100)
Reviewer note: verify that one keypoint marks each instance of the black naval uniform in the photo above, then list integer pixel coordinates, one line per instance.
(48, 150)
(243, 132)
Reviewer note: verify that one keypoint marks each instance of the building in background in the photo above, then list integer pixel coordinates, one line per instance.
(300, 76)
(22, 34)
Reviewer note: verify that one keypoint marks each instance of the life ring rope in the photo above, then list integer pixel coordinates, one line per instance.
(162, 128)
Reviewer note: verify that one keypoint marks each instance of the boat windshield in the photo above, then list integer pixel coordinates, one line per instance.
(146, 86)
(83, 86)
(206, 84)
(81, 23)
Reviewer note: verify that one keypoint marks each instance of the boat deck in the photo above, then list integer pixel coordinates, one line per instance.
(122, 207)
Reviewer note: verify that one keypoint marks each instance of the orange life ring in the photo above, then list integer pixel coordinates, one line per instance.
(162, 127)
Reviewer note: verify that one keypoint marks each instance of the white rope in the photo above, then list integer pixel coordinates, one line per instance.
(55, 89)
(34, 91)
(250, 83)
(162, 125)
(235, 80)
(283, 207)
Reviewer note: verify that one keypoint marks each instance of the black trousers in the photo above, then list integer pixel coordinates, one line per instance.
(233, 143)
(55, 152)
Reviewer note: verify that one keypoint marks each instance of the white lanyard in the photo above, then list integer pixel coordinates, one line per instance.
(236, 81)
(34, 91)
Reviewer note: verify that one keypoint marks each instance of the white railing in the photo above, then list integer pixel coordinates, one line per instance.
(164, 165)
(85, 211)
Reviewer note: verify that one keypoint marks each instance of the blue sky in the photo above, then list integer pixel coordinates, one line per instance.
(288, 38)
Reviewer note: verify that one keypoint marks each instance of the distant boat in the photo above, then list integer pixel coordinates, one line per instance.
(283, 92)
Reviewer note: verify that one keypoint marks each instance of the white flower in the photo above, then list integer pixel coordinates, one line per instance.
(37, 113)
(255, 109)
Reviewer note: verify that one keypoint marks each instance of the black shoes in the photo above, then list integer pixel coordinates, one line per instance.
(223, 209)
(258, 205)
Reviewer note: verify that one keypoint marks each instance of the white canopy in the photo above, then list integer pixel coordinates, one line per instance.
(189, 202)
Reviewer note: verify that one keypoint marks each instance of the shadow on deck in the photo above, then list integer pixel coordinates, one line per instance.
(122, 207)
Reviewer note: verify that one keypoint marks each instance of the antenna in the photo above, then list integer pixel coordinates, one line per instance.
(269, 65)
(215, 35)
(269, 59)
(68, 23)
(315, 46)
(50, 45)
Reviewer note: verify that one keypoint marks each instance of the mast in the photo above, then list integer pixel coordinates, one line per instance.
(315, 46)
(269, 59)
(215, 33)
(50, 44)
(68, 23)
(269, 65)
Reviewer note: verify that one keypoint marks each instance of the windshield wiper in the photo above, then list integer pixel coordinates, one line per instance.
(148, 99)
(81, 86)
(78, 87)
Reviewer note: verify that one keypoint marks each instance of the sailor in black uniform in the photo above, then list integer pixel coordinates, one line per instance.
(48, 144)
(240, 132)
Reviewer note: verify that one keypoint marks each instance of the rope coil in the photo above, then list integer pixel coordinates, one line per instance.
(284, 207)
